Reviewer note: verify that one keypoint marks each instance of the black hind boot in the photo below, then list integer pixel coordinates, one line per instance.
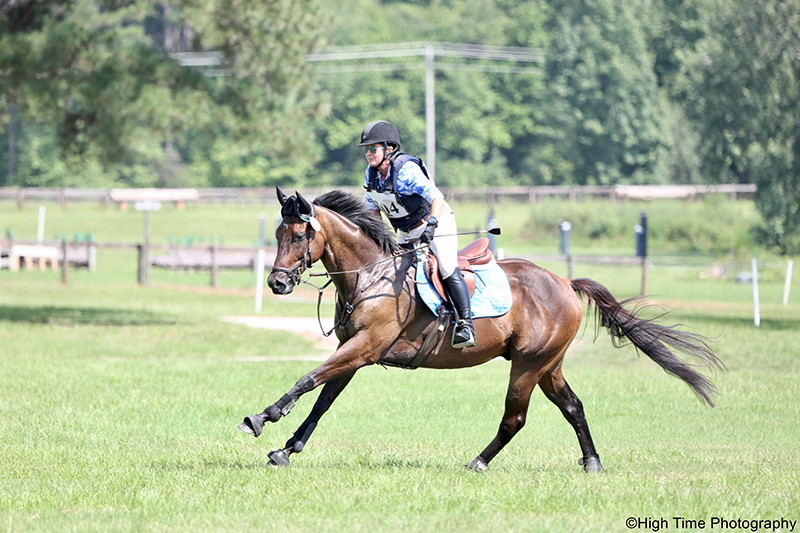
(463, 333)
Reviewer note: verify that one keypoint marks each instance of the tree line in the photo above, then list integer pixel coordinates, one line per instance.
(104, 93)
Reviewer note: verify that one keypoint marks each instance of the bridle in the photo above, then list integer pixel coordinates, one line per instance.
(294, 273)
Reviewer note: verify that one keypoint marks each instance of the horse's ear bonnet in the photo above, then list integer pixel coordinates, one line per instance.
(299, 207)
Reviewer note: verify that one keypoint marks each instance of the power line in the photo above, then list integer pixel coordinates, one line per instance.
(429, 51)
(197, 59)
(370, 67)
(385, 67)
(361, 55)
(202, 59)
(418, 49)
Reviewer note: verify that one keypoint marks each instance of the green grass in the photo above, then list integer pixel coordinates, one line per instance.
(119, 406)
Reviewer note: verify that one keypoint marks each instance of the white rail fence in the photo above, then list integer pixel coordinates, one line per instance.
(266, 195)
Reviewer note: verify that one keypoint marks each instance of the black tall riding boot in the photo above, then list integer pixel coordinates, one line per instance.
(463, 333)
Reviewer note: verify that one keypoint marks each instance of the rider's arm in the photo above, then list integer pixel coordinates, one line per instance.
(412, 180)
(436, 208)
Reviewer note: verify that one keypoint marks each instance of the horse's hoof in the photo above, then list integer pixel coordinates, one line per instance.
(247, 429)
(477, 465)
(591, 464)
(252, 424)
(278, 458)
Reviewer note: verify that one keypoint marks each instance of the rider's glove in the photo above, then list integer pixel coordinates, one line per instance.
(430, 229)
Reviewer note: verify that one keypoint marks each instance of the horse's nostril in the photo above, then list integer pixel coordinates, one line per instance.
(279, 285)
(282, 288)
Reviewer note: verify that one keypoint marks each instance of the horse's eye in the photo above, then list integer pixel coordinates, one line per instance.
(299, 237)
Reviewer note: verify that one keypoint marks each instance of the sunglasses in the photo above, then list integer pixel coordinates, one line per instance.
(370, 149)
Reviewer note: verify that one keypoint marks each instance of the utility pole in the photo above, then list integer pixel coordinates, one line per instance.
(430, 113)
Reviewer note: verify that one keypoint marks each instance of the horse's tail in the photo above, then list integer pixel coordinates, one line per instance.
(652, 338)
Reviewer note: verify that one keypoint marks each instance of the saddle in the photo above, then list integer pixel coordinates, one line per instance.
(475, 253)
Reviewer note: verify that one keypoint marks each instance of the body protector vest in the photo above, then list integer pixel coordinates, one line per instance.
(404, 212)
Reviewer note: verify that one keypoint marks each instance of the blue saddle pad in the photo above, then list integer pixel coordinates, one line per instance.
(492, 291)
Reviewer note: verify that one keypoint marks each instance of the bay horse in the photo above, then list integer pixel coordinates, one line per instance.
(380, 319)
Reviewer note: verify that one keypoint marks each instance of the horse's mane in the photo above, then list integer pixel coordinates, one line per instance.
(356, 211)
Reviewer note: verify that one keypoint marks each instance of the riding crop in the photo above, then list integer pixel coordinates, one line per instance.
(492, 231)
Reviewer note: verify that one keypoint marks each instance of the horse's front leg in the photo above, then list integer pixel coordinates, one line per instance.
(297, 443)
(349, 357)
(254, 424)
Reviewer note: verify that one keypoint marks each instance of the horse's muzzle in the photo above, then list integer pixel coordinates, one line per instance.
(280, 283)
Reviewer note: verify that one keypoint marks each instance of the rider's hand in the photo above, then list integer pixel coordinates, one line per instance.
(430, 229)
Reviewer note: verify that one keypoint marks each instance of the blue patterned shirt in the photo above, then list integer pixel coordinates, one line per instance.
(410, 180)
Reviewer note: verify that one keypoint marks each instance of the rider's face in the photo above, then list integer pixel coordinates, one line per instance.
(374, 154)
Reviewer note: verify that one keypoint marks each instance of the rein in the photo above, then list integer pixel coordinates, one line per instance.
(350, 306)
(295, 275)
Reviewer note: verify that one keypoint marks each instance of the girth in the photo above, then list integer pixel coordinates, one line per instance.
(476, 253)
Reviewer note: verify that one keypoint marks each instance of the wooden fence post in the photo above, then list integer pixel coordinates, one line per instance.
(146, 253)
(140, 277)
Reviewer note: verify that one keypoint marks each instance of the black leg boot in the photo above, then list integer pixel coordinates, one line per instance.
(463, 333)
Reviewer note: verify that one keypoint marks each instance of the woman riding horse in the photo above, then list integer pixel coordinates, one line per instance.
(382, 320)
(397, 184)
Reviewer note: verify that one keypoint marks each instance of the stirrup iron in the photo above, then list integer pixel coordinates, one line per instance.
(458, 341)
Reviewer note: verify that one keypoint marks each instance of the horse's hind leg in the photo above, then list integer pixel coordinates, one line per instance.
(330, 391)
(557, 390)
(518, 397)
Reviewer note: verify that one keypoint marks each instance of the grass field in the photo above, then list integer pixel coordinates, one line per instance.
(119, 406)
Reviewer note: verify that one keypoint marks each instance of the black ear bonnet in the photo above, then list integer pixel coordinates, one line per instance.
(296, 206)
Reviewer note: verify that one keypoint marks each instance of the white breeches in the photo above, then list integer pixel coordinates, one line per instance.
(444, 248)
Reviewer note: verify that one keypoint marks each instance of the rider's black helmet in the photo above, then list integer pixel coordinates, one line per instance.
(380, 131)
